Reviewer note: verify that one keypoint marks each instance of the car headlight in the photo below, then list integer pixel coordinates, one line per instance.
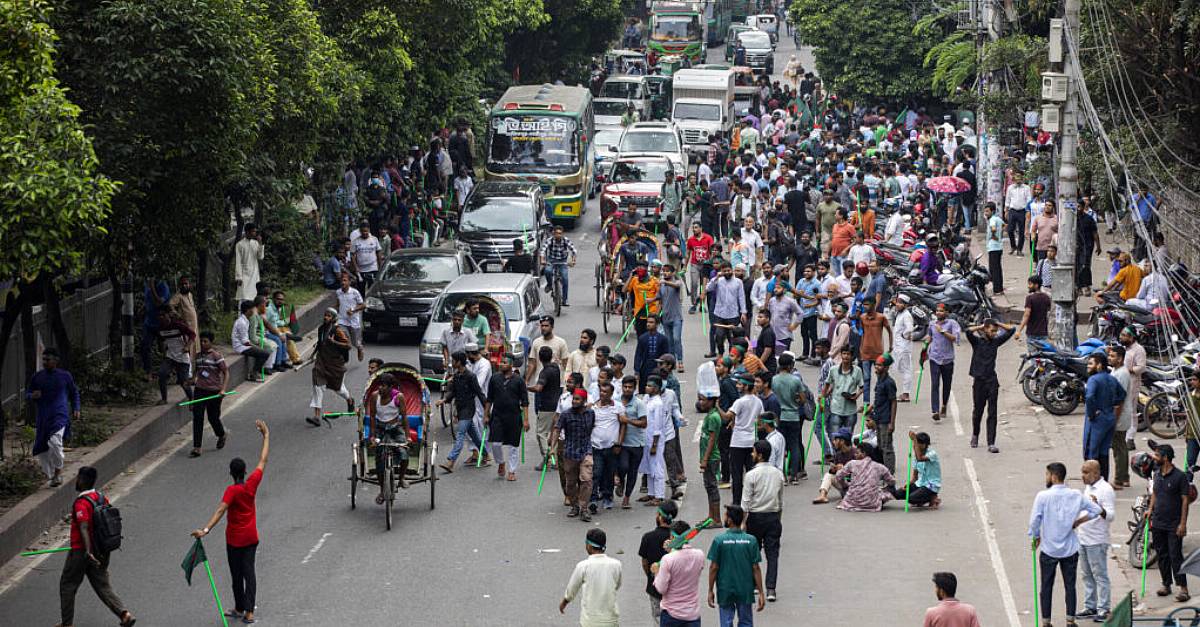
(431, 348)
(374, 303)
(567, 190)
(516, 348)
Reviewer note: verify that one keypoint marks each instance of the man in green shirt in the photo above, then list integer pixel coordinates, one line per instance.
(844, 386)
(826, 214)
(793, 396)
(733, 571)
(710, 454)
(476, 322)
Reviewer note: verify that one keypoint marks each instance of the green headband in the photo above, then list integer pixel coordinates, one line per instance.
(665, 515)
(594, 545)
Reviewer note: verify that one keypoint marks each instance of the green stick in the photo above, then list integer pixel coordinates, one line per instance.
(340, 413)
(522, 446)
(908, 483)
(1037, 601)
(862, 423)
(542, 479)
(819, 424)
(787, 463)
(482, 448)
(1145, 552)
(920, 375)
(206, 398)
(435, 380)
(212, 583)
(262, 339)
(45, 551)
(629, 328)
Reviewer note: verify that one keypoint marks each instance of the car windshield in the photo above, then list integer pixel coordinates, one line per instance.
(604, 139)
(653, 141)
(510, 304)
(696, 111)
(533, 143)
(624, 90)
(640, 171)
(494, 213)
(676, 28)
(609, 107)
(423, 268)
(755, 39)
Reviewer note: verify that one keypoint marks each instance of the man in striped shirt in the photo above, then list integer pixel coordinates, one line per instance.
(556, 254)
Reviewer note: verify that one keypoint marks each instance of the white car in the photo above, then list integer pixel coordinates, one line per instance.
(608, 111)
(655, 138)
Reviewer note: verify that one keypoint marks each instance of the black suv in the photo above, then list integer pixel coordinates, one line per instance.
(495, 214)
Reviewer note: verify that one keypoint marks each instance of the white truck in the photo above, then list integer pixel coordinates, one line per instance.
(702, 105)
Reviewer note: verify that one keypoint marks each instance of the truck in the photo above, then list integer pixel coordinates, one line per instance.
(702, 106)
(678, 28)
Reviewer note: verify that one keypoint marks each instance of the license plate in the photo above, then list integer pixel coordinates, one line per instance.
(407, 322)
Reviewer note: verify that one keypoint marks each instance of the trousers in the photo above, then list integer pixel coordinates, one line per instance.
(984, 391)
(241, 570)
(604, 467)
(739, 463)
(212, 407)
(996, 270)
(1169, 547)
(1095, 577)
(767, 527)
(904, 370)
(1068, 566)
(75, 569)
(627, 468)
(673, 329)
(1015, 225)
(791, 430)
(940, 377)
(1120, 453)
(808, 333)
(578, 476)
(1097, 437)
(463, 429)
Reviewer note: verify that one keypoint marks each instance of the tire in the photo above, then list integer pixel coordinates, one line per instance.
(1029, 385)
(389, 495)
(353, 483)
(432, 477)
(1135, 552)
(1059, 394)
(604, 317)
(557, 283)
(1166, 415)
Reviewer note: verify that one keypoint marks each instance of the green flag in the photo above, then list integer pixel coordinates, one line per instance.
(194, 557)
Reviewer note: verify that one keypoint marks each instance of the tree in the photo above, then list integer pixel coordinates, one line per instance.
(50, 191)
(562, 46)
(865, 49)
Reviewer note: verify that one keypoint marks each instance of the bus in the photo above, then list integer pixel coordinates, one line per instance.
(678, 28)
(543, 133)
(716, 13)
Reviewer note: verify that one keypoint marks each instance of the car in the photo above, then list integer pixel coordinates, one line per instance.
(495, 214)
(401, 300)
(767, 23)
(731, 38)
(608, 111)
(760, 52)
(627, 89)
(605, 139)
(518, 296)
(659, 138)
(648, 181)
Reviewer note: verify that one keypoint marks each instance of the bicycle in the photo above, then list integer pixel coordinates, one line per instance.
(555, 284)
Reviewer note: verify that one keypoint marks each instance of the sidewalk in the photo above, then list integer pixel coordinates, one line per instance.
(29, 518)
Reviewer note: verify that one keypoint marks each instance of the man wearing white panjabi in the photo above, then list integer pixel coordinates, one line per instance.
(247, 256)
(654, 465)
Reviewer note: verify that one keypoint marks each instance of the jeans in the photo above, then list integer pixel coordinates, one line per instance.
(1095, 577)
(1169, 547)
(241, 570)
(627, 468)
(833, 422)
(791, 430)
(835, 266)
(867, 366)
(182, 372)
(1068, 566)
(281, 355)
(464, 429)
(666, 620)
(744, 611)
(984, 392)
(604, 466)
(557, 268)
(767, 527)
(940, 376)
(673, 329)
(259, 356)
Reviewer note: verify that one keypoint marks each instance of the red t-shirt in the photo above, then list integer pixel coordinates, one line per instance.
(82, 512)
(241, 528)
(699, 248)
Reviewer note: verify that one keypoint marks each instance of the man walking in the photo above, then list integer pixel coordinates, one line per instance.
(175, 338)
(883, 411)
(1103, 398)
(607, 434)
(545, 400)
(212, 378)
(1094, 538)
(1168, 521)
(1056, 512)
(658, 427)
(1016, 201)
(985, 340)
(596, 581)
(57, 399)
(762, 500)
(86, 558)
(744, 415)
(995, 246)
(247, 255)
(575, 425)
(1116, 361)
(733, 572)
(652, 550)
(793, 397)
(904, 328)
(729, 306)
(506, 418)
(650, 346)
(677, 578)
(350, 308)
(329, 365)
(671, 312)
(584, 358)
(949, 612)
(464, 392)
(944, 333)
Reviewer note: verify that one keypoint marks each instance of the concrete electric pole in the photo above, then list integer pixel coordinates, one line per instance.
(1063, 290)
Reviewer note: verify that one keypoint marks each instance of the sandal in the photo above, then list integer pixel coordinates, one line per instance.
(512, 476)
(233, 614)
(195, 453)
(1182, 597)
(379, 500)
(446, 467)
(1164, 591)
(313, 421)
(129, 619)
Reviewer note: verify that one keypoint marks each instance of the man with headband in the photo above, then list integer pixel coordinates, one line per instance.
(652, 550)
(575, 425)
(596, 581)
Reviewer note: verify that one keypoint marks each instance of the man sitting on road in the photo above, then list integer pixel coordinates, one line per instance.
(842, 454)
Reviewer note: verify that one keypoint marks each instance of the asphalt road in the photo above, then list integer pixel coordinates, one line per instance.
(495, 553)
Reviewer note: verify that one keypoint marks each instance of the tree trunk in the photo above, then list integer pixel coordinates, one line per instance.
(54, 316)
(28, 340)
(14, 306)
(201, 288)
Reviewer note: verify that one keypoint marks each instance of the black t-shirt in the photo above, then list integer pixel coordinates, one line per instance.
(1169, 490)
(508, 395)
(551, 381)
(766, 339)
(652, 551)
(795, 200)
(881, 402)
(983, 353)
(519, 264)
(1038, 304)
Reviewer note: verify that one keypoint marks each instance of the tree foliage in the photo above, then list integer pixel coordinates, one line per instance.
(50, 190)
(866, 49)
(562, 46)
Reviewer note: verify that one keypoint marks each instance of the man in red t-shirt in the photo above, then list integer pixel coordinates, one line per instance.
(241, 530)
(85, 559)
(699, 247)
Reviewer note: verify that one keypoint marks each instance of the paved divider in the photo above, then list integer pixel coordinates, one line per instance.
(39, 511)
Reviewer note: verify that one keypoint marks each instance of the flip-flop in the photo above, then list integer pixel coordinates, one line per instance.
(233, 614)
(194, 453)
(446, 468)
(626, 506)
(313, 421)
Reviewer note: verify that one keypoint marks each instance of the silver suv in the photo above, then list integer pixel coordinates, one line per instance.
(655, 138)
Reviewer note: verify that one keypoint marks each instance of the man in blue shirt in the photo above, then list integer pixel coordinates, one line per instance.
(926, 479)
(1102, 397)
(1052, 525)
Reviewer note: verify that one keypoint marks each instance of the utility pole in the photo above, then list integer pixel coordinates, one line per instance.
(1063, 291)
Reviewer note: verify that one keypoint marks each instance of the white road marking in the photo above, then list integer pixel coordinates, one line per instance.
(316, 547)
(989, 534)
(952, 406)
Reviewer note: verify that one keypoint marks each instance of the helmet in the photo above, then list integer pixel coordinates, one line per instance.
(1142, 464)
(915, 277)
(931, 238)
(861, 269)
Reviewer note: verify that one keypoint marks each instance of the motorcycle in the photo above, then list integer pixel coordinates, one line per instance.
(1036, 366)
(1142, 465)
(964, 298)
(1154, 328)
(1062, 391)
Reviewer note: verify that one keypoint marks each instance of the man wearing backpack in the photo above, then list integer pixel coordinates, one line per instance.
(95, 533)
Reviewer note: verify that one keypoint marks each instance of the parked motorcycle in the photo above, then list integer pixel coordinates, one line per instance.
(1036, 365)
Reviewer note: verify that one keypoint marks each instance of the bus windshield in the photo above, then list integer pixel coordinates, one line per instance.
(676, 28)
(533, 143)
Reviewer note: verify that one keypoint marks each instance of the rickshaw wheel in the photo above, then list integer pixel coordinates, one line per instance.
(432, 474)
(353, 483)
(389, 495)
(604, 316)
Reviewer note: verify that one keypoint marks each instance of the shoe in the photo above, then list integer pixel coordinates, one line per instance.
(1164, 591)
(57, 481)
(220, 443)
(771, 595)
(803, 475)
(255, 377)
(1085, 614)
(539, 467)
(1100, 617)
(195, 453)
(592, 507)
(313, 421)
(585, 516)
(936, 416)
(606, 504)
(574, 513)
(692, 309)
(710, 355)
(1130, 444)
(974, 441)
(993, 449)
(1183, 596)
(566, 304)
(725, 485)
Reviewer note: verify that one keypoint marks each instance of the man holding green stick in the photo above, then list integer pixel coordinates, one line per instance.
(1057, 511)
(85, 558)
(212, 377)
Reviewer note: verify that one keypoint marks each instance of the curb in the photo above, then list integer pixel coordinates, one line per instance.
(27, 520)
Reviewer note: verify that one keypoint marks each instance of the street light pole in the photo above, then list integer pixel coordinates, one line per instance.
(1063, 290)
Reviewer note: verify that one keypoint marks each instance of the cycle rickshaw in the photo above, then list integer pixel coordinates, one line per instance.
(422, 450)
(610, 285)
(494, 346)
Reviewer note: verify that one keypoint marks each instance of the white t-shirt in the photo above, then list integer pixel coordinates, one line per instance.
(861, 253)
(746, 410)
(556, 344)
(366, 253)
(778, 454)
(704, 173)
(753, 242)
(348, 299)
(608, 425)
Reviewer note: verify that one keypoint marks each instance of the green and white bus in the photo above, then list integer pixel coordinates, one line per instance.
(543, 133)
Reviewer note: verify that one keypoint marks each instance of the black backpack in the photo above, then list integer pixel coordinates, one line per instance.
(106, 524)
(854, 339)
